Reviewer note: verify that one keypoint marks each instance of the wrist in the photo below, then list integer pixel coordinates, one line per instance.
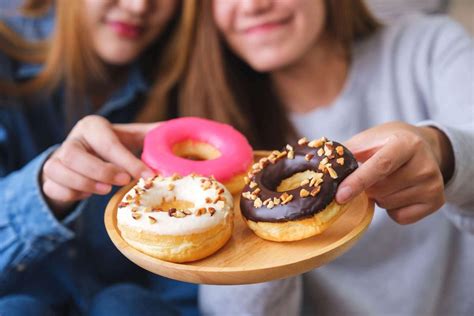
(441, 148)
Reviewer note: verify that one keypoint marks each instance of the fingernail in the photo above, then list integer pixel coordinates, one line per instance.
(122, 178)
(344, 194)
(147, 174)
(103, 188)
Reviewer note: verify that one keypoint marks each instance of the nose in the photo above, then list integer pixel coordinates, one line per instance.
(135, 6)
(255, 6)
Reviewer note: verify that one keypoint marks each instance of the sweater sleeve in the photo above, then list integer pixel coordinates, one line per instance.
(449, 61)
(276, 298)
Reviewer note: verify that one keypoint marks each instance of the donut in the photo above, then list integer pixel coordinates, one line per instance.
(195, 145)
(177, 219)
(289, 195)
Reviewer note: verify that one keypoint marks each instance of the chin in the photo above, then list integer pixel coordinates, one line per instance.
(270, 62)
(118, 56)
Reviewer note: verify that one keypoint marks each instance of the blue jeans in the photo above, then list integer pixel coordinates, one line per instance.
(121, 299)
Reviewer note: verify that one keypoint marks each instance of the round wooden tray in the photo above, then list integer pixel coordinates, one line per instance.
(247, 258)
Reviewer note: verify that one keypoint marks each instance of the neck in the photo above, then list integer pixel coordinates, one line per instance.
(102, 90)
(315, 80)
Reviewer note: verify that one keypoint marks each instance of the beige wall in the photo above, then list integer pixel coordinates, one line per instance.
(463, 11)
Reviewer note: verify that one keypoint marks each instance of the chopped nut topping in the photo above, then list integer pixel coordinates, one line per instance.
(171, 187)
(220, 191)
(256, 191)
(316, 180)
(171, 211)
(317, 142)
(187, 212)
(324, 161)
(332, 172)
(282, 154)
(157, 209)
(304, 193)
(206, 185)
(256, 166)
(266, 201)
(247, 180)
(134, 209)
(208, 200)
(175, 177)
(212, 210)
(123, 204)
(253, 197)
(257, 203)
(291, 155)
(340, 150)
(152, 220)
(308, 157)
(315, 191)
(246, 195)
(270, 205)
(304, 182)
(288, 199)
(128, 197)
(284, 196)
(340, 161)
(289, 147)
(136, 216)
(302, 141)
(148, 184)
(201, 211)
(179, 214)
(252, 184)
(147, 209)
(276, 201)
(320, 152)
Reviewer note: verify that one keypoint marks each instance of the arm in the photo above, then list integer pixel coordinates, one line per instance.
(412, 170)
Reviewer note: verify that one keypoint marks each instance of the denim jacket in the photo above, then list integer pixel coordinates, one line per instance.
(73, 258)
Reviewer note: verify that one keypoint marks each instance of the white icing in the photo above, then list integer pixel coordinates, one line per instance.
(189, 188)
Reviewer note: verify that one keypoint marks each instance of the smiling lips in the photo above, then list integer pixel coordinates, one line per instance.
(126, 30)
(266, 26)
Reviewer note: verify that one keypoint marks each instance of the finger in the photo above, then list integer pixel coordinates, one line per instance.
(68, 178)
(75, 156)
(60, 193)
(401, 199)
(109, 148)
(410, 214)
(384, 162)
(132, 135)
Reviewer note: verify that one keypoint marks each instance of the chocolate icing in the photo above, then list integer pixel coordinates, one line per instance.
(271, 176)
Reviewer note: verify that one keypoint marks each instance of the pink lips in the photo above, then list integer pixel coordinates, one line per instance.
(266, 27)
(126, 30)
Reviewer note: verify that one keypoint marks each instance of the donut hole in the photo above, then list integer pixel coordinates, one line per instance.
(294, 181)
(194, 150)
(177, 204)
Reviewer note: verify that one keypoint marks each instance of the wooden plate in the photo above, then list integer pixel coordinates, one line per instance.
(247, 258)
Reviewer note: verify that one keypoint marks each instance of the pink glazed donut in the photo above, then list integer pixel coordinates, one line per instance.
(194, 145)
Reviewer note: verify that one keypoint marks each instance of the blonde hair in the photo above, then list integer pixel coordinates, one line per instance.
(68, 58)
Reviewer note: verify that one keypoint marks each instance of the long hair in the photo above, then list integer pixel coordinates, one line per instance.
(68, 59)
(219, 85)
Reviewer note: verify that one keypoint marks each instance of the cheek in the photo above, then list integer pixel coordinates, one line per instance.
(222, 15)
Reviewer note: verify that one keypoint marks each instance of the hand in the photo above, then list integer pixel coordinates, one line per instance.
(401, 170)
(95, 155)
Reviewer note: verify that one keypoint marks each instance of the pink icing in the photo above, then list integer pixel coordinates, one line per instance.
(236, 153)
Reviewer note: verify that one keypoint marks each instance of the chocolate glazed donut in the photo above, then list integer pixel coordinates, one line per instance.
(330, 161)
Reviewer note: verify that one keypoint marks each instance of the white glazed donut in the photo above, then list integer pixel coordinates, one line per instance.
(177, 219)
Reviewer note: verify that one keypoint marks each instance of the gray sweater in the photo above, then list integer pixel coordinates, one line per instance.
(420, 71)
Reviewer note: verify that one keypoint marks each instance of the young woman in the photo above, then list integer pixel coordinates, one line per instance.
(118, 60)
(401, 96)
